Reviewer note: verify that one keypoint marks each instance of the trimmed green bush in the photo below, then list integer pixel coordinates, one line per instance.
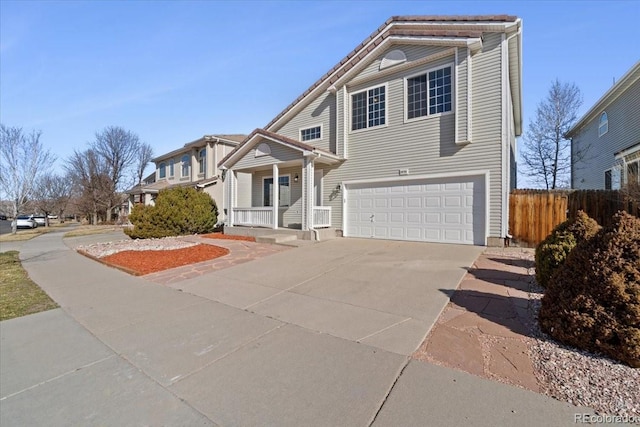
(553, 251)
(178, 211)
(593, 300)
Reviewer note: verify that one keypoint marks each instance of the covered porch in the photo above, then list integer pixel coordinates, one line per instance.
(277, 183)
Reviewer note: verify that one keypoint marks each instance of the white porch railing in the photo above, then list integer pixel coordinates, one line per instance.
(321, 216)
(256, 217)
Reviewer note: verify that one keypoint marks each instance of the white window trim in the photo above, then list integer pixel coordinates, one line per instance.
(264, 178)
(311, 127)
(386, 108)
(423, 72)
(202, 162)
(600, 125)
(182, 174)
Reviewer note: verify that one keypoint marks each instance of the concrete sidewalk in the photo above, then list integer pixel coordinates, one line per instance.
(122, 350)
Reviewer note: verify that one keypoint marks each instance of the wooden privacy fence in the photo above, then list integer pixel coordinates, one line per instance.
(601, 205)
(533, 214)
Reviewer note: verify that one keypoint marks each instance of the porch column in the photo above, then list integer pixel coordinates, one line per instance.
(231, 193)
(275, 195)
(308, 198)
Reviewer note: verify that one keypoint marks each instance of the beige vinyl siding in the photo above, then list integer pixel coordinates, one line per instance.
(427, 146)
(279, 153)
(291, 216)
(319, 112)
(487, 122)
(624, 131)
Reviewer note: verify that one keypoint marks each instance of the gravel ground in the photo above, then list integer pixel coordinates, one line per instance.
(100, 250)
(577, 376)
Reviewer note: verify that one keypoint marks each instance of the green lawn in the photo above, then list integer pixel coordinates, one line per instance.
(19, 295)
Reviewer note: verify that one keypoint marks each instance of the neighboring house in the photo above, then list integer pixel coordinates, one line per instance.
(195, 164)
(410, 137)
(146, 191)
(607, 137)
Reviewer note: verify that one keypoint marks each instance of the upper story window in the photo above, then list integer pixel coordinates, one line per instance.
(429, 93)
(162, 170)
(171, 168)
(186, 163)
(369, 108)
(603, 124)
(310, 134)
(202, 160)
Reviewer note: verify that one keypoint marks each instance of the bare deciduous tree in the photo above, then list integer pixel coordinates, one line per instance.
(23, 159)
(546, 153)
(145, 154)
(52, 194)
(119, 148)
(90, 173)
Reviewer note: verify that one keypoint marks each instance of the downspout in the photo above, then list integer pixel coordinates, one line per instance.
(505, 179)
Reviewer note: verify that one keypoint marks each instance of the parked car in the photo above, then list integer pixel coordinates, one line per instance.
(39, 219)
(25, 221)
(53, 216)
(3, 217)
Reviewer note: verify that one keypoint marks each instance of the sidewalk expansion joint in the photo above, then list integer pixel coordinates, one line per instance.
(325, 272)
(179, 378)
(88, 365)
(384, 329)
(386, 396)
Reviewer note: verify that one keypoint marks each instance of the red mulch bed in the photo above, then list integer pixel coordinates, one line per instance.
(228, 237)
(145, 262)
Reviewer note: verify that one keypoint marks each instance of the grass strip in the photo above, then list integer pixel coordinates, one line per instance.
(19, 295)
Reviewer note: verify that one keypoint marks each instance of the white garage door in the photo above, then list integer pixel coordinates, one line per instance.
(446, 210)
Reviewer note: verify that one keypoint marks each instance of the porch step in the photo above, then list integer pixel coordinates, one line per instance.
(276, 238)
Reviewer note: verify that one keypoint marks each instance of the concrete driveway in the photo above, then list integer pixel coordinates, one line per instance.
(386, 294)
(312, 336)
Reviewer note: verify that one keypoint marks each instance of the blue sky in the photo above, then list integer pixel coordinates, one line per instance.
(173, 71)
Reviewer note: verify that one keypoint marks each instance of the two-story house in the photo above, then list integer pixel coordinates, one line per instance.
(605, 142)
(195, 164)
(410, 137)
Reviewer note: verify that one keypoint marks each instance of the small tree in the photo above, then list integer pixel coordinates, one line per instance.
(546, 153)
(23, 159)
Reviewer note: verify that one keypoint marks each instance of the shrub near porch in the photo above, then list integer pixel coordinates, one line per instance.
(178, 211)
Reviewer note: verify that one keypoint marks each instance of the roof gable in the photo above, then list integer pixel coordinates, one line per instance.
(258, 135)
(610, 96)
(440, 30)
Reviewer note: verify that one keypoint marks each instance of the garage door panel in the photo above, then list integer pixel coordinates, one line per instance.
(414, 202)
(450, 210)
